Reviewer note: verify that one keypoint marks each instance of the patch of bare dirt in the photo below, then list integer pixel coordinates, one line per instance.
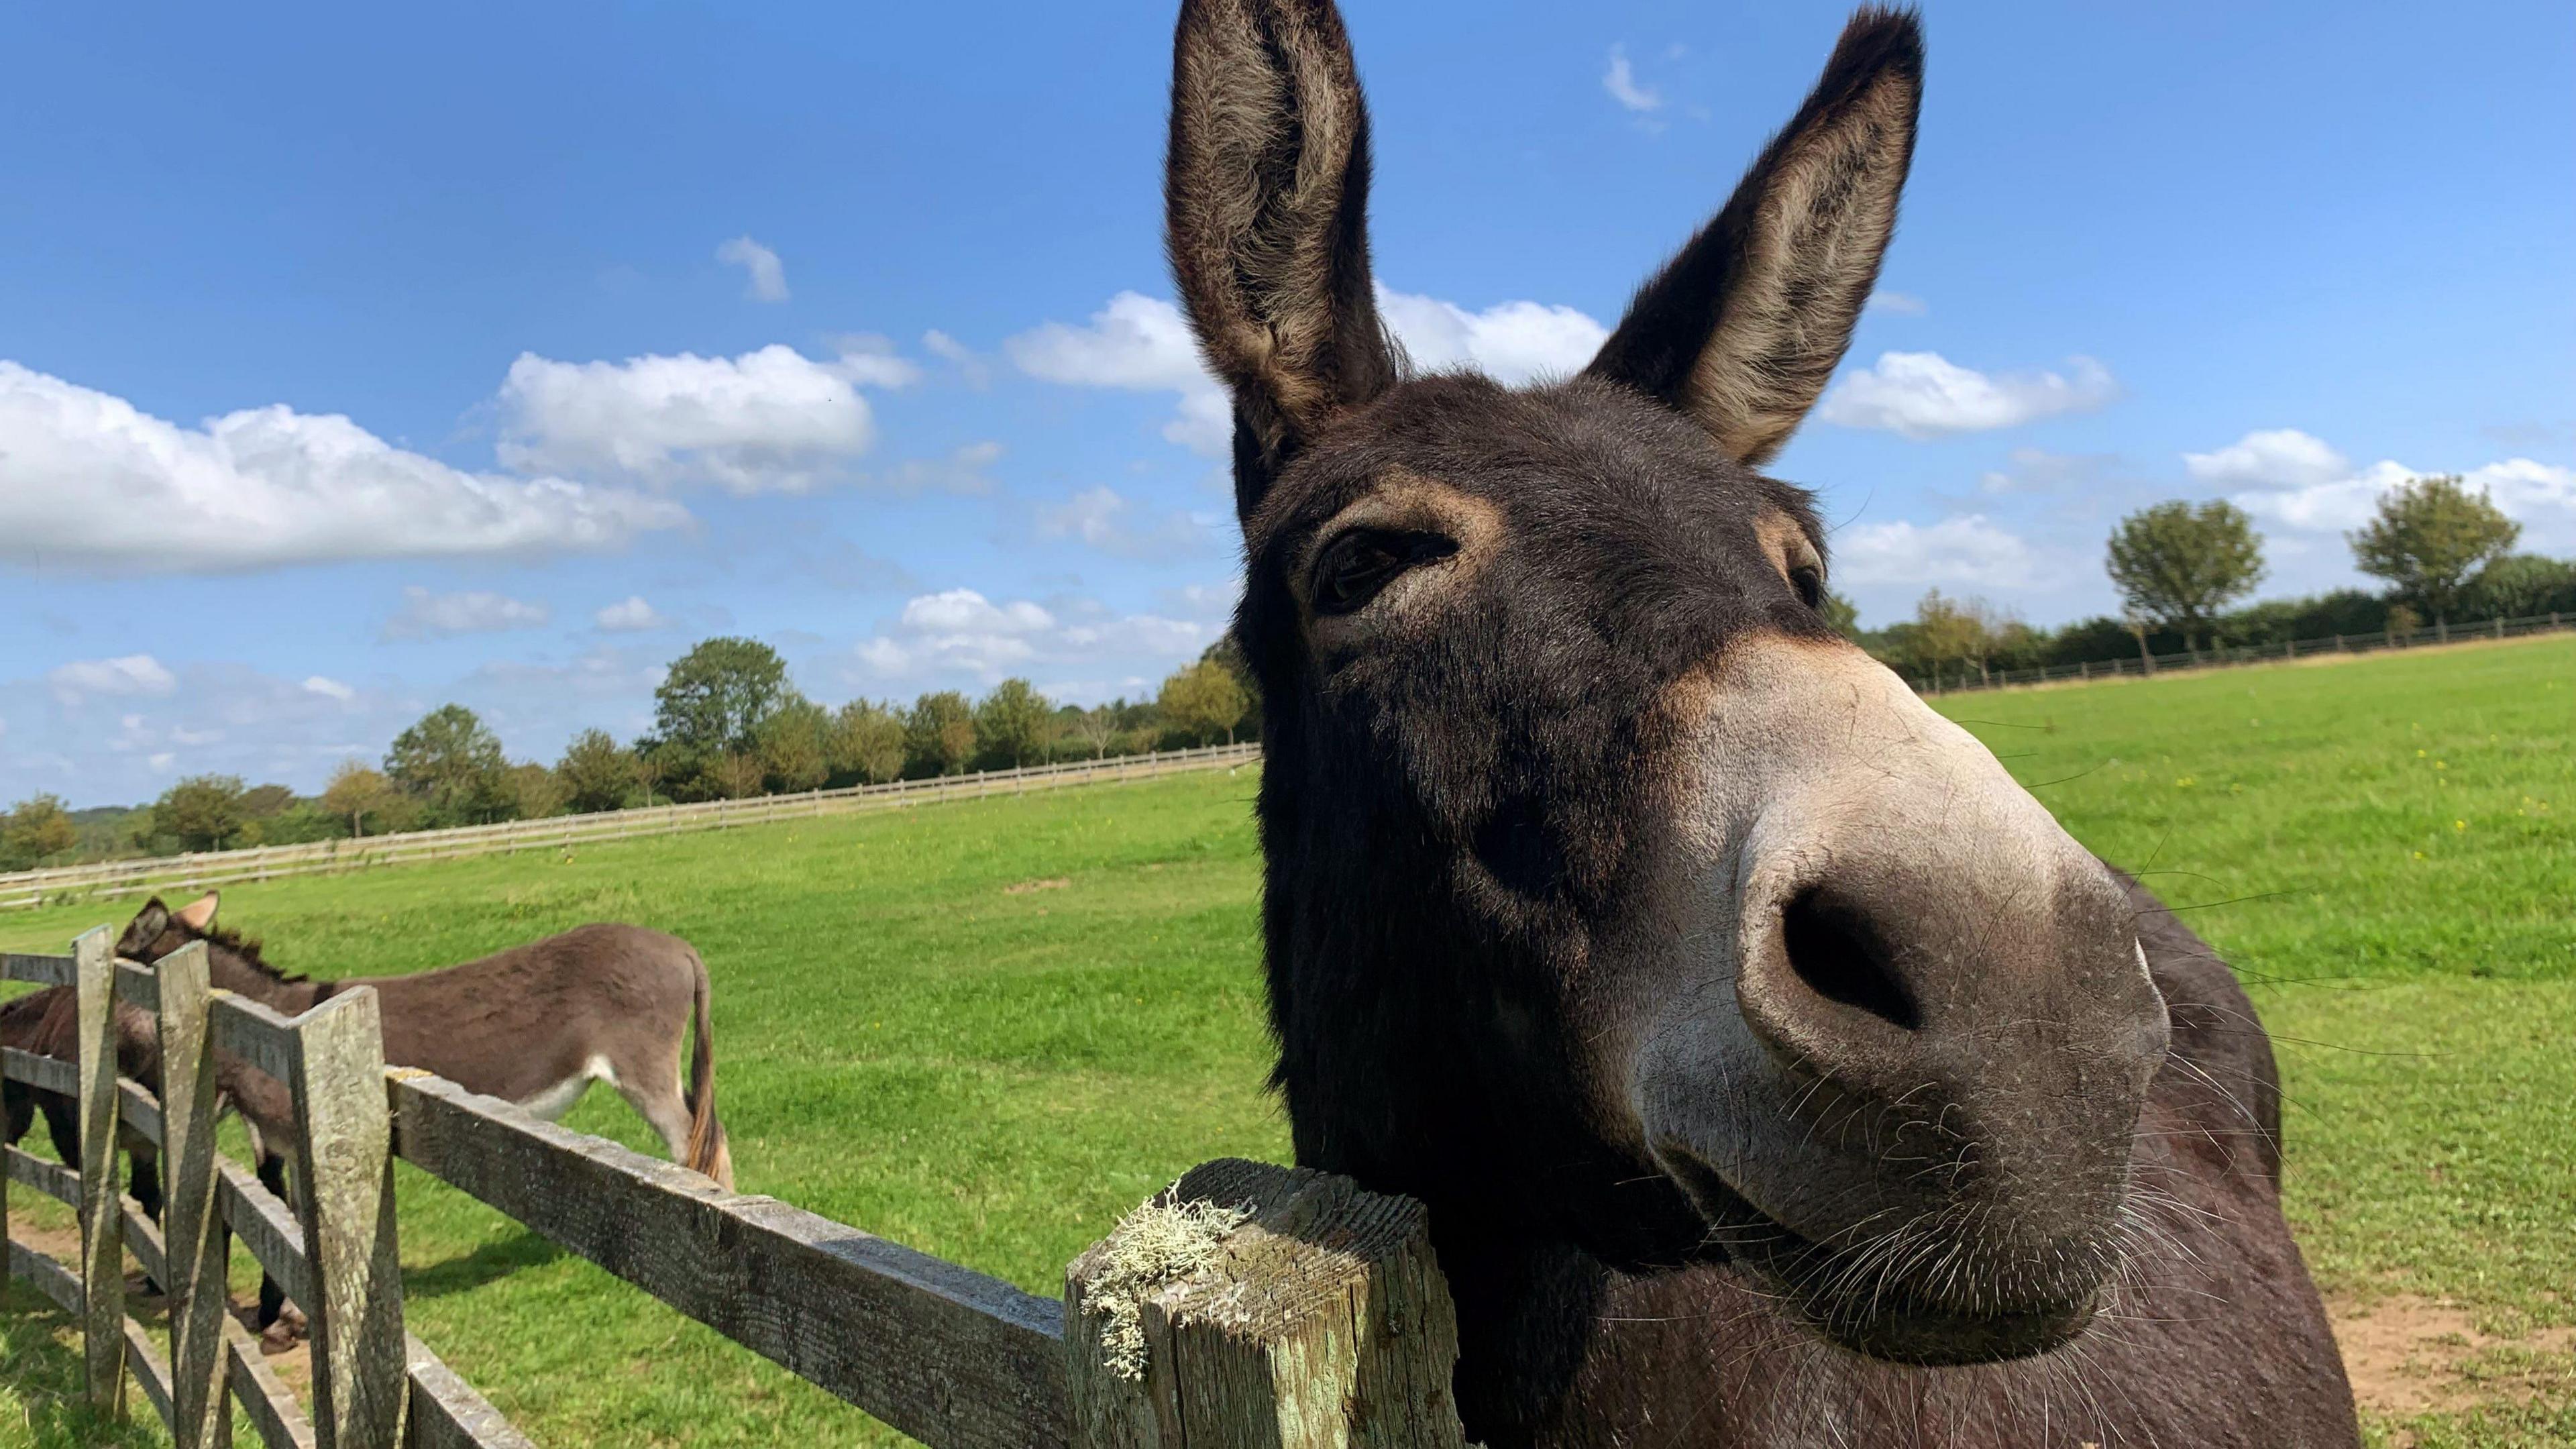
(2412, 1355)
(1026, 886)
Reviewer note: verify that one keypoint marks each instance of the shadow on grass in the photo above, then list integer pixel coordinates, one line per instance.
(40, 1383)
(493, 1260)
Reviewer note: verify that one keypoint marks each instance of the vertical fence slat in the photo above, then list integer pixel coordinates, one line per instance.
(195, 1242)
(345, 1197)
(102, 1220)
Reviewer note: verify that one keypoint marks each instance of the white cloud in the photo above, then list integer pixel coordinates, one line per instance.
(960, 634)
(1962, 552)
(2539, 496)
(1904, 304)
(88, 481)
(2036, 470)
(1512, 342)
(772, 420)
(969, 363)
(1137, 344)
(1142, 344)
(329, 688)
(1620, 80)
(767, 280)
(1103, 519)
(1924, 395)
(630, 615)
(2273, 458)
(123, 677)
(427, 615)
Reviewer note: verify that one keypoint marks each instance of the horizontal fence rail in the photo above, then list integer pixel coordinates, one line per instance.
(2135, 667)
(1353, 1341)
(29, 888)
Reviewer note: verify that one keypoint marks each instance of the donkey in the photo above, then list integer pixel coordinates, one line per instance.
(1776, 1070)
(535, 1024)
(47, 1023)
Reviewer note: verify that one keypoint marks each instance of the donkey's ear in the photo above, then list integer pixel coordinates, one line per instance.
(1266, 196)
(144, 929)
(198, 914)
(1742, 330)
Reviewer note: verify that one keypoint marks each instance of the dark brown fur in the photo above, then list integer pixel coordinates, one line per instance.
(1505, 640)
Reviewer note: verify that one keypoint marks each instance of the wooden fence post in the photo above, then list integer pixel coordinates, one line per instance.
(196, 1245)
(1251, 1306)
(102, 1217)
(345, 1198)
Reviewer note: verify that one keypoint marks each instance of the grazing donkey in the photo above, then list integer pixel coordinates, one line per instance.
(535, 1024)
(1776, 1070)
(47, 1023)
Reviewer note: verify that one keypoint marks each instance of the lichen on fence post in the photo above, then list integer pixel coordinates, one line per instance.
(196, 1245)
(102, 1217)
(345, 1199)
(1257, 1305)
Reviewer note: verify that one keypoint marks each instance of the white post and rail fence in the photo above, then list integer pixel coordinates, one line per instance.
(227, 867)
(2431, 635)
(1248, 1305)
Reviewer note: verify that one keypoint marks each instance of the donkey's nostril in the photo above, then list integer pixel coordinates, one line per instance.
(1838, 953)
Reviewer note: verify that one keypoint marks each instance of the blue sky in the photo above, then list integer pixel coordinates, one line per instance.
(354, 361)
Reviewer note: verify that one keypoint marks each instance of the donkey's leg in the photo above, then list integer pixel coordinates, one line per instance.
(272, 1175)
(18, 1100)
(144, 1176)
(62, 1123)
(653, 1090)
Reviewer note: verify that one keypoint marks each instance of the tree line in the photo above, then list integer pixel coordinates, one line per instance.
(2442, 550)
(727, 724)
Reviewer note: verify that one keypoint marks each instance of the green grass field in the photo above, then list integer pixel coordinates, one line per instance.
(909, 1044)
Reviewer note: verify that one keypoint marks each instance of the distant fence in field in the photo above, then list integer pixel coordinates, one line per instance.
(225, 867)
(1300, 1313)
(2430, 635)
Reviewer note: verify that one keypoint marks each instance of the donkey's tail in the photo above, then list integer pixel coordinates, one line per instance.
(707, 1151)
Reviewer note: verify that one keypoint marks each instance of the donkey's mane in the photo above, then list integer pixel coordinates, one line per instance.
(245, 949)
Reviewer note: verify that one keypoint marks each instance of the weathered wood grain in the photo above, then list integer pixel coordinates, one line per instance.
(344, 1189)
(944, 1354)
(50, 1073)
(102, 1311)
(446, 1413)
(194, 1236)
(50, 1178)
(254, 1033)
(1312, 1315)
(42, 970)
(46, 1276)
(136, 983)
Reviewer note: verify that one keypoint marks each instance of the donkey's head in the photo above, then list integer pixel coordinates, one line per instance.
(157, 930)
(1613, 897)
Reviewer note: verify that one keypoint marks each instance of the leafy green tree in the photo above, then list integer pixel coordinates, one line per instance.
(866, 745)
(203, 811)
(717, 695)
(1013, 722)
(2178, 563)
(360, 796)
(597, 773)
(451, 763)
(1947, 631)
(2519, 585)
(938, 734)
(34, 830)
(1094, 727)
(535, 791)
(736, 777)
(794, 745)
(1227, 652)
(2428, 536)
(1203, 699)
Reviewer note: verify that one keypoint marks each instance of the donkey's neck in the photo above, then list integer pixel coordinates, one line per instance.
(230, 971)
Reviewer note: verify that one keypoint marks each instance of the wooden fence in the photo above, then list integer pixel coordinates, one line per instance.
(1248, 1305)
(226, 867)
(2430, 635)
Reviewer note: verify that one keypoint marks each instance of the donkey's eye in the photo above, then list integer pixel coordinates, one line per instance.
(1354, 567)
(1809, 581)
